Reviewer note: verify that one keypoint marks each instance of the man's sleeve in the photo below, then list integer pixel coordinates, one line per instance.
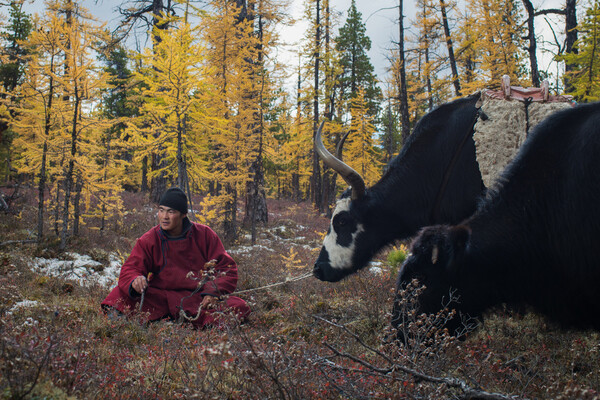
(225, 270)
(136, 264)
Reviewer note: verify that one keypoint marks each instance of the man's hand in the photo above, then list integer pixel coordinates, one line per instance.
(208, 302)
(139, 284)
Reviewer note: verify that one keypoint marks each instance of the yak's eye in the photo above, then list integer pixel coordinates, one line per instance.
(341, 221)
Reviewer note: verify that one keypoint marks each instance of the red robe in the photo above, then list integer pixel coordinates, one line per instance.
(166, 263)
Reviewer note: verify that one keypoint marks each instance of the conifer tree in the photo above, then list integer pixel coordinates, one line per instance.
(232, 49)
(313, 13)
(334, 105)
(450, 46)
(399, 72)
(287, 155)
(361, 149)
(427, 47)
(57, 123)
(352, 43)
(155, 16)
(262, 15)
(13, 52)
(584, 74)
(532, 47)
(38, 113)
(119, 102)
(12, 69)
(390, 136)
(171, 91)
(499, 43)
(467, 53)
(82, 82)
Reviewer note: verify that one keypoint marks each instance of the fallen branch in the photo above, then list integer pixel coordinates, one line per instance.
(469, 393)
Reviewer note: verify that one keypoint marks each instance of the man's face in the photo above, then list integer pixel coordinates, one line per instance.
(170, 220)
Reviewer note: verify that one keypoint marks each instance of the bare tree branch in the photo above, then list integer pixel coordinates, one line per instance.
(469, 392)
(550, 11)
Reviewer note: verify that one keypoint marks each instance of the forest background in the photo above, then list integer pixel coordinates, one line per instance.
(201, 102)
(97, 120)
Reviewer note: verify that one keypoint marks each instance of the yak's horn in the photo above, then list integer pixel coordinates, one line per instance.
(351, 177)
(339, 149)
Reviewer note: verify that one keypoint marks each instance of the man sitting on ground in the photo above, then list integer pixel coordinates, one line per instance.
(178, 268)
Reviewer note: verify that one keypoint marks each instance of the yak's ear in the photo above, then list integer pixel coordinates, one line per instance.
(459, 238)
(435, 253)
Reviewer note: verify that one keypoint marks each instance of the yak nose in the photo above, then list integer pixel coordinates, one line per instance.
(321, 264)
(317, 271)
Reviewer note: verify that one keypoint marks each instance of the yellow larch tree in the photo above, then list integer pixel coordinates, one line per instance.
(37, 119)
(497, 39)
(288, 156)
(584, 75)
(173, 117)
(230, 53)
(57, 123)
(82, 81)
(362, 153)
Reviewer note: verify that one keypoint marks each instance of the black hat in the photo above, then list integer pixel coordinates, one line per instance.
(176, 199)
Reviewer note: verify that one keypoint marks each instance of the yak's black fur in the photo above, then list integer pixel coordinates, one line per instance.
(534, 239)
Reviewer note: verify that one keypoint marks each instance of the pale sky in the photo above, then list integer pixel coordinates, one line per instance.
(380, 17)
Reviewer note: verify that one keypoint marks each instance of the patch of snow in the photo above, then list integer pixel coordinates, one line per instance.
(247, 249)
(376, 270)
(82, 268)
(23, 304)
(375, 267)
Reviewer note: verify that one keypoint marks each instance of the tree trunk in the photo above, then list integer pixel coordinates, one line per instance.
(532, 48)
(57, 208)
(402, 90)
(230, 218)
(428, 80)
(144, 188)
(70, 169)
(571, 38)
(316, 179)
(181, 167)
(451, 57)
(41, 189)
(158, 184)
(76, 206)
(256, 199)
(329, 176)
(389, 137)
(42, 177)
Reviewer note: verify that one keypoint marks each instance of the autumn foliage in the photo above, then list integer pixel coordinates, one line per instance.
(92, 131)
(305, 339)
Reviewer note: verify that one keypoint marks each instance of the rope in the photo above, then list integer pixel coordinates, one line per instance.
(294, 279)
(184, 315)
(527, 102)
(207, 277)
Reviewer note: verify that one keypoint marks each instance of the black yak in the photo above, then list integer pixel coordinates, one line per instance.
(534, 239)
(435, 179)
